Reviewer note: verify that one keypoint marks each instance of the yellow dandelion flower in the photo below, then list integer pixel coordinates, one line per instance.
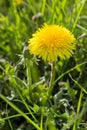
(51, 42)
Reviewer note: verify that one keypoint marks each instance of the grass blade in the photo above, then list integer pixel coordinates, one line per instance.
(19, 111)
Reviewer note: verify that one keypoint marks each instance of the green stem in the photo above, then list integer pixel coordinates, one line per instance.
(41, 124)
(70, 70)
(79, 12)
(52, 77)
(43, 7)
(78, 110)
(13, 116)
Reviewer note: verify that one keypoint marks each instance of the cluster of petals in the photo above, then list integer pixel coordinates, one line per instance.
(52, 41)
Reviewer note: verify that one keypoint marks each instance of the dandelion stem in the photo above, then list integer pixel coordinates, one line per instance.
(52, 77)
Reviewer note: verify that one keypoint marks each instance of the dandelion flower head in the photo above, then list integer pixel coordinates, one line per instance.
(51, 42)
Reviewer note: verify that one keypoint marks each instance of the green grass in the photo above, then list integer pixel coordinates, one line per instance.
(25, 103)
